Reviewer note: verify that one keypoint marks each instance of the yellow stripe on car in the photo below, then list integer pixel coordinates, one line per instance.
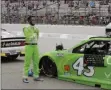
(2, 54)
(22, 52)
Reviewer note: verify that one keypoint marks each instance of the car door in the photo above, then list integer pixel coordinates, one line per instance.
(75, 61)
(89, 62)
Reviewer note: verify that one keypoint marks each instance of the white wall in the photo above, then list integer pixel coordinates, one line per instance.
(66, 29)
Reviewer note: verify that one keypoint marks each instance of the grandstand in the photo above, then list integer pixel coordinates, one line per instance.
(85, 12)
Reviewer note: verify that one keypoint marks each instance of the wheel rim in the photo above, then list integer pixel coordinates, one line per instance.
(49, 68)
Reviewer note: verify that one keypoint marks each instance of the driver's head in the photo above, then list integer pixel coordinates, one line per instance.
(31, 20)
(107, 45)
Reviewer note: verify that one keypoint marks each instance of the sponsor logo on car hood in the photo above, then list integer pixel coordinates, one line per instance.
(7, 44)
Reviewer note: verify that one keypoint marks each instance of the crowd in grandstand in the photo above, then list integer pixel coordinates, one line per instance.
(84, 12)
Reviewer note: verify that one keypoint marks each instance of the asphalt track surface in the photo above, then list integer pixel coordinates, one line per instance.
(12, 78)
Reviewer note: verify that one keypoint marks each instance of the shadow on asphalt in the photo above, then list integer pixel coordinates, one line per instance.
(8, 60)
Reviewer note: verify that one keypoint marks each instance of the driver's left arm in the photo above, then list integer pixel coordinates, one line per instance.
(37, 32)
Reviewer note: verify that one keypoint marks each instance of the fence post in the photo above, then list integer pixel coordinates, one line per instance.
(58, 4)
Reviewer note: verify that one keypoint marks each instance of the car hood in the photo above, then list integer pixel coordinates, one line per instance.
(6, 34)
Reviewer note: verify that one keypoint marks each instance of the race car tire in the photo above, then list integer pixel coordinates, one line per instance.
(49, 68)
(13, 57)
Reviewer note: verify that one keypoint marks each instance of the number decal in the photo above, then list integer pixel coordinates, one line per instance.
(79, 66)
(90, 73)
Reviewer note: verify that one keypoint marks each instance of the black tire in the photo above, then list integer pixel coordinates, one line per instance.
(3, 59)
(13, 57)
(49, 68)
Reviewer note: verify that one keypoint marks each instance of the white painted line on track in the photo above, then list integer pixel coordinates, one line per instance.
(65, 36)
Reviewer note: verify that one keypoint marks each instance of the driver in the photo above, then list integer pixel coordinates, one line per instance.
(31, 50)
(106, 47)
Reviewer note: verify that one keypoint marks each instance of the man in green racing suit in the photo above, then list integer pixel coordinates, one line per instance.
(31, 50)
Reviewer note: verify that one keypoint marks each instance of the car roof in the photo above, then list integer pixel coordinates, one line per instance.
(104, 38)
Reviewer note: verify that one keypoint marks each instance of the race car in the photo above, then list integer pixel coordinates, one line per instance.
(12, 44)
(88, 62)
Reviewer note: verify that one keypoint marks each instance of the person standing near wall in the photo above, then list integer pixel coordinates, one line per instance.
(31, 50)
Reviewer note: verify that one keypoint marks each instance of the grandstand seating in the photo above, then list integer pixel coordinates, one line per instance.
(42, 8)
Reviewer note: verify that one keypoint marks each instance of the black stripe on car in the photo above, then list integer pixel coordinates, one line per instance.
(12, 38)
(12, 43)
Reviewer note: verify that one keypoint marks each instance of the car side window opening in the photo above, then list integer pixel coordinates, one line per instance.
(109, 48)
(81, 49)
(94, 47)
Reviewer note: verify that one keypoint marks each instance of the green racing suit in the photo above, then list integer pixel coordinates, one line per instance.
(31, 34)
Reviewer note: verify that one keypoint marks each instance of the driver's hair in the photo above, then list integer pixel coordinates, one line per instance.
(29, 18)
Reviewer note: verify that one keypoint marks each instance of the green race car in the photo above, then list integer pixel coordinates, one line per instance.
(88, 62)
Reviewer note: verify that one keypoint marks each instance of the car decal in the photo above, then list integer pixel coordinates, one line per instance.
(108, 61)
(80, 67)
(60, 54)
(107, 75)
(12, 43)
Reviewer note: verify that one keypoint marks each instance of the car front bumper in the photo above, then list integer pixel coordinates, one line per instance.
(12, 51)
(8, 54)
